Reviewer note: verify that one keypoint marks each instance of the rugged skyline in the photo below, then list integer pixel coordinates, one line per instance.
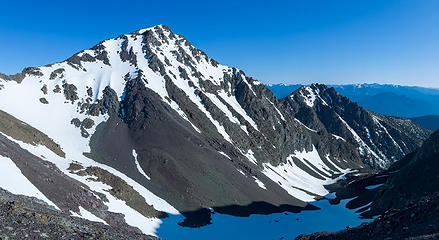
(297, 42)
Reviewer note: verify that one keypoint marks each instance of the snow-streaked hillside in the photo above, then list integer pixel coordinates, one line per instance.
(381, 140)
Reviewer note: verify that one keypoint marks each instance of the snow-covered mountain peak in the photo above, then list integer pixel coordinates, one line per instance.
(148, 111)
(162, 60)
(154, 51)
(159, 26)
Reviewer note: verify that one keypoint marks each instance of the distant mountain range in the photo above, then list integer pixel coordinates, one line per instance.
(387, 99)
(429, 122)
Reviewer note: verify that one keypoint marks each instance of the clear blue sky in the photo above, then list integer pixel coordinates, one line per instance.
(384, 41)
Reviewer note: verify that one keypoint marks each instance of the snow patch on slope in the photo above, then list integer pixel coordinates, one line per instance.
(13, 180)
(339, 138)
(226, 111)
(277, 110)
(53, 119)
(301, 123)
(132, 217)
(224, 154)
(250, 156)
(309, 96)
(89, 216)
(363, 147)
(237, 107)
(377, 121)
(312, 158)
(139, 167)
(260, 184)
(240, 171)
(297, 182)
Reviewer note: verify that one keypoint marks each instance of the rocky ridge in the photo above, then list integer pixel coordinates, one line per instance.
(381, 140)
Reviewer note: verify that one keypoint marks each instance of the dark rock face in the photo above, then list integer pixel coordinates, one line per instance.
(109, 102)
(20, 76)
(76, 122)
(413, 177)
(127, 54)
(90, 92)
(101, 54)
(28, 218)
(83, 125)
(70, 92)
(76, 60)
(43, 101)
(187, 170)
(57, 89)
(381, 140)
(44, 89)
(87, 123)
(57, 73)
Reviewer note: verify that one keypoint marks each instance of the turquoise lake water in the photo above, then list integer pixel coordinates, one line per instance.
(266, 227)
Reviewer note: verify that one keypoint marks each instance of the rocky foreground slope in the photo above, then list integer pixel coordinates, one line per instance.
(145, 125)
(23, 217)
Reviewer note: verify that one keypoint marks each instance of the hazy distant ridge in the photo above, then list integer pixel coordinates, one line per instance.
(404, 101)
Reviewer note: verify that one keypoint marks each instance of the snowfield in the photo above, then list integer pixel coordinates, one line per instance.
(300, 183)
